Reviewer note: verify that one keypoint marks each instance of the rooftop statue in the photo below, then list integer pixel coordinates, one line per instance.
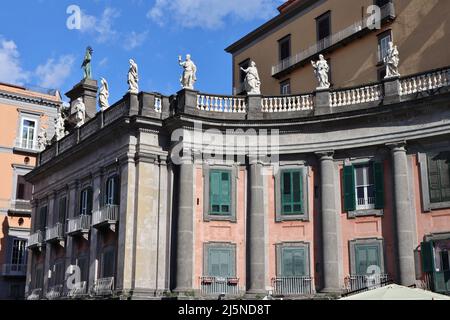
(80, 110)
(189, 76)
(321, 70)
(87, 63)
(104, 95)
(252, 83)
(59, 126)
(42, 140)
(133, 77)
(392, 61)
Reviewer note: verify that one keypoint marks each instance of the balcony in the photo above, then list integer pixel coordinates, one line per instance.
(293, 286)
(79, 226)
(78, 291)
(106, 217)
(219, 285)
(35, 294)
(103, 287)
(55, 234)
(14, 270)
(340, 38)
(36, 240)
(55, 292)
(26, 146)
(357, 283)
(20, 207)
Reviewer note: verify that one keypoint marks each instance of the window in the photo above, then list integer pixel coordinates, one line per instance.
(220, 192)
(366, 255)
(58, 273)
(83, 263)
(220, 260)
(284, 47)
(62, 208)
(439, 177)
(382, 3)
(86, 201)
(18, 252)
(383, 45)
(363, 186)
(23, 191)
(108, 262)
(38, 277)
(112, 191)
(42, 221)
(285, 87)
(28, 133)
(293, 262)
(291, 192)
(323, 25)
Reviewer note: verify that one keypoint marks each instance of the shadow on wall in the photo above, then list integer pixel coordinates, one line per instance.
(4, 240)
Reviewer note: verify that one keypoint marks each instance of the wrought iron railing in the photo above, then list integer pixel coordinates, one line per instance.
(103, 287)
(78, 290)
(55, 232)
(365, 282)
(55, 292)
(109, 213)
(81, 223)
(293, 285)
(219, 285)
(36, 239)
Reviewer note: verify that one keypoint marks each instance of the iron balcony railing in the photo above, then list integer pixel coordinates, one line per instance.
(78, 290)
(219, 285)
(26, 144)
(36, 239)
(103, 287)
(55, 233)
(365, 282)
(35, 294)
(108, 214)
(292, 285)
(55, 292)
(80, 224)
(14, 270)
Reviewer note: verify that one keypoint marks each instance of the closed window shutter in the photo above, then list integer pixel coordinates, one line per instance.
(349, 188)
(293, 262)
(220, 262)
(116, 191)
(292, 192)
(378, 173)
(225, 193)
(366, 256)
(214, 191)
(426, 249)
(434, 179)
(361, 260)
(220, 192)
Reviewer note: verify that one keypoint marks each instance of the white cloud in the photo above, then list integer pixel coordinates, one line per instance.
(101, 27)
(210, 14)
(10, 68)
(103, 62)
(53, 73)
(135, 39)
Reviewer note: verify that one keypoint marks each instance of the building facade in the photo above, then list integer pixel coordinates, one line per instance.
(198, 195)
(354, 48)
(23, 113)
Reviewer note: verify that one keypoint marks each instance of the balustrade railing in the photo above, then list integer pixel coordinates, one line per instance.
(287, 103)
(293, 285)
(79, 224)
(109, 213)
(55, 232)
(427, 81)
(352, 96)
(362, 282)
(103, 287)
(55, 292)
(221, 103)
(78, 290)
(219, 285)
(36, 239)
(158, 104)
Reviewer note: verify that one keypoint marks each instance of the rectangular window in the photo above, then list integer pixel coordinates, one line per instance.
(284, 47)
(108, 263)
(291, 192)
(24, 189)
(220, 192)
(18, 252)
(38, 277)
(293, 262)
(364, 187)
(366, 255)
(112, 191)
(28, 134)
(62, 208)
(285, 87)
(323, 26)
(382, 3)
(83, 263)
(86, 201)
(58, 273)
(439, 177)
(221, 261)
(383, 45)
(42, 218)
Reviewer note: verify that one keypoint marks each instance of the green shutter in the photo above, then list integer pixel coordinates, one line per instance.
(349, 188)
(366, 256)
(220, 192)
(220, 262)
(291, 192)
(426, 249)
(379, 184)
(293, 262)
(225, 192)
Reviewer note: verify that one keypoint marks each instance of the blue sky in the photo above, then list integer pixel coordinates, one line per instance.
(37, 48)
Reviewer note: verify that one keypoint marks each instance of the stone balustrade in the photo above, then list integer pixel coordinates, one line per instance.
(356, 95)
(219, 103)
(287, 103)
(427, 81)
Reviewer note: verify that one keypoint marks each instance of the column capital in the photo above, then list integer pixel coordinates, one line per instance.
(74, 184)
(52, 195)
(397, 146)
(325, 155)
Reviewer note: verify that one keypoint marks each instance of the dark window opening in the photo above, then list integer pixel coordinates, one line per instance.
(285, 48)
(323, 25)
(23, 189)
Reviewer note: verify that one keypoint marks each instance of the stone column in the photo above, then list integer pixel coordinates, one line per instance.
(72, 201)
(332, 267)
(93, 238)
(48, 247)
(185, 225)
(404, 214)
(256, 248)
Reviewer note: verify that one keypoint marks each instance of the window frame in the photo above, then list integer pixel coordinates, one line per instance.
(219, 246)
(281, 42)
(84, 207)
(207, 168)
(24, 253)
(279, 216)
(368, 170)
(353, 244)
(325, 15)
(108, 250)
(115, 197)
(380, 37)
(280, 247)
(24, 118)
(283, 84)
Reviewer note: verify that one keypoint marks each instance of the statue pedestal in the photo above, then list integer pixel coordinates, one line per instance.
(323, 105)
(391, 90)
(86, 89)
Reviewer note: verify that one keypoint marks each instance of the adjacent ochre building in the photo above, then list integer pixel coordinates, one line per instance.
(23, 113)
(316, 192)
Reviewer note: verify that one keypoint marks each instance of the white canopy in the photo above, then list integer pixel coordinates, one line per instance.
(396, 292)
